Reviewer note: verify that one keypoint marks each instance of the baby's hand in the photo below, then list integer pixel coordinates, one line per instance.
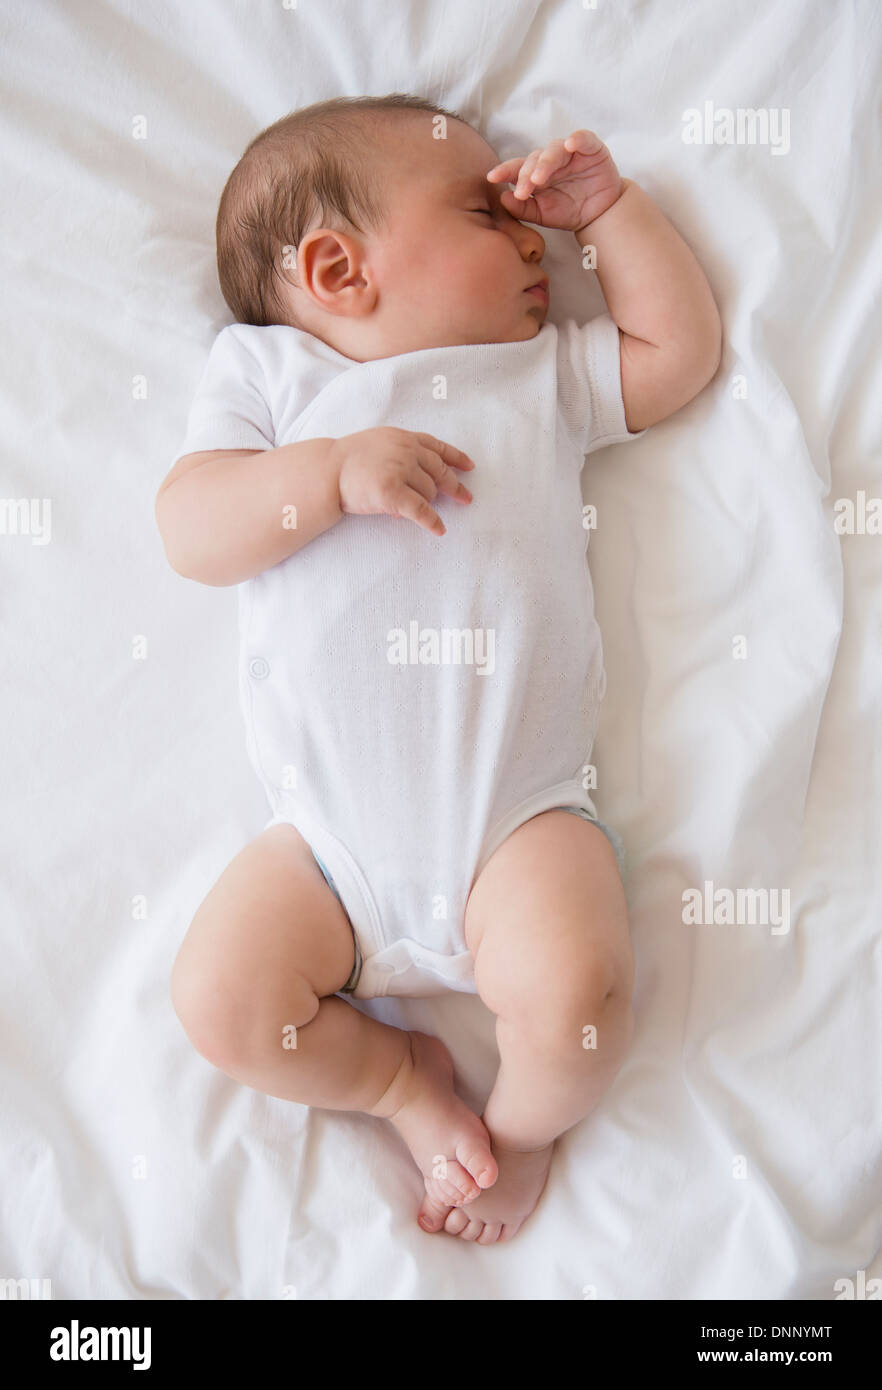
(566, 185)
(398, 472)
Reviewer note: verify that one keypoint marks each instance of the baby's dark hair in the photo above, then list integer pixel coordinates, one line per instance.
(310, 169)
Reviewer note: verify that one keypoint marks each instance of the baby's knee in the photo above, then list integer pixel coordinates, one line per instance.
(230, 1016)
(598, 1023)
(571, 1009)
(205, 1011)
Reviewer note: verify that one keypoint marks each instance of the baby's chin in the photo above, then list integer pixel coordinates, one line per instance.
(462, 334)
(526, 327)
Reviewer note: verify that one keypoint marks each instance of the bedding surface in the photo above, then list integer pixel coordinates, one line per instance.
(737, 584)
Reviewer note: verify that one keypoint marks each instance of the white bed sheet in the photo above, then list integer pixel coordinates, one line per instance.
(133, 1169)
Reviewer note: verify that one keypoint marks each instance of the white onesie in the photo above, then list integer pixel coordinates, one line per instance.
(411, 699)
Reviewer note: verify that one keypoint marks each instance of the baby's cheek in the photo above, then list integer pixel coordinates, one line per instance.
(480, 280)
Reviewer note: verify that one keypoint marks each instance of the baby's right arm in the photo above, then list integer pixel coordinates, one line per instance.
(227, 515)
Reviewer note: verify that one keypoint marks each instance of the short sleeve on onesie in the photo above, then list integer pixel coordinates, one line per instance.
(255, 384)
(230, 409)
(589, 379)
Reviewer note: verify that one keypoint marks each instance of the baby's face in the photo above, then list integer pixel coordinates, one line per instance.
(451, 265)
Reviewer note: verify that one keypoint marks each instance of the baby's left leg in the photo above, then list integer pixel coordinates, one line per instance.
(547, 924)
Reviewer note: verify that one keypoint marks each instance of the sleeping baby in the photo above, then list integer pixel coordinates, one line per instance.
(385, 454)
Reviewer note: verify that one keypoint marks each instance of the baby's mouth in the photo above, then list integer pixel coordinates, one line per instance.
(539, 288)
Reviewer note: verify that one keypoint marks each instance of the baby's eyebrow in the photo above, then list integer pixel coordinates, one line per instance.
(475, 183)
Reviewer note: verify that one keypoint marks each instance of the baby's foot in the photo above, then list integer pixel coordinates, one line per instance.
(495, 1215)
(450, 1144)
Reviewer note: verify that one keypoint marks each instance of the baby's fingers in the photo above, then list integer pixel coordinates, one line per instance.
(455, 457)
(583, 142)
(444, 478)
(506, 172)
(546, 162)
(409, 504)
(438, 459)
(449, 483)
(534, 169)
(522, 188)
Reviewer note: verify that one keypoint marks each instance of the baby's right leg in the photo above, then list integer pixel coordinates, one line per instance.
(268, 949)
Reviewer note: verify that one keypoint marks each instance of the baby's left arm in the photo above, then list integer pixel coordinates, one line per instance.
(657, 293)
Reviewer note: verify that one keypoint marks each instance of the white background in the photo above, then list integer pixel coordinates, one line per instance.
(125, 777)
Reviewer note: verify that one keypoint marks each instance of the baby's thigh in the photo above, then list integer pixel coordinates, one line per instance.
(547, 920)
(269, 938)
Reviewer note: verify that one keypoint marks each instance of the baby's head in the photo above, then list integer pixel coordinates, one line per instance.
(354, 221)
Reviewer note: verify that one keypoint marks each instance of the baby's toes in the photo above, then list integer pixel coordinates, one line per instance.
(457, 1184)
(458, 1223)
(432, 1213)
(490, 1233)
(476, 1157)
